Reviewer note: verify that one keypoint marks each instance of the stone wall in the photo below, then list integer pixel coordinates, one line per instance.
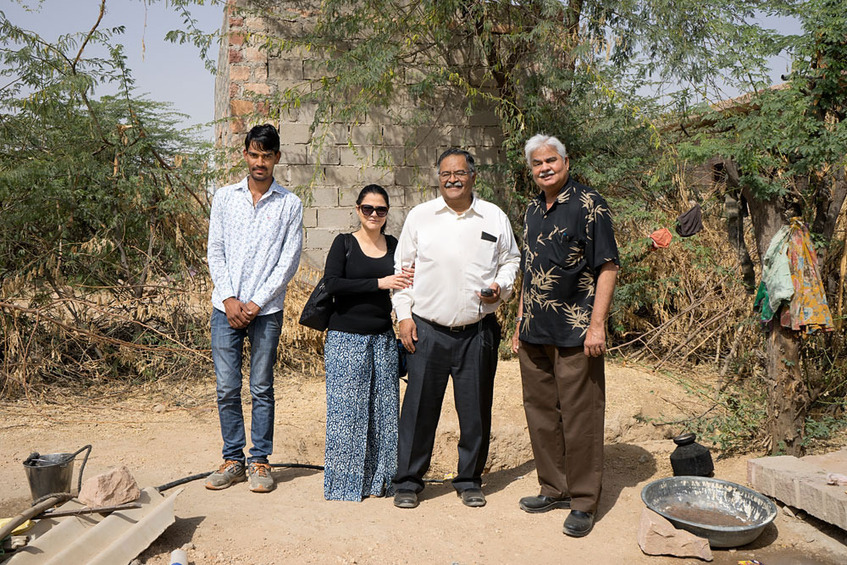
(328, 166)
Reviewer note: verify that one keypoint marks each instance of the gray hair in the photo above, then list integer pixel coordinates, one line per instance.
(540, 140)
(454, 151)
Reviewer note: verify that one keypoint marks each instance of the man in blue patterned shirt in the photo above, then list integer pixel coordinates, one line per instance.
(255, 238)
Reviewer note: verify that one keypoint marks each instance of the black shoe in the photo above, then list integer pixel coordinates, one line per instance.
(541, 503)
(406, 499)
(578, 523)
(472, 497)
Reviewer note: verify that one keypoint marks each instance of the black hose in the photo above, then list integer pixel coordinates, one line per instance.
(190, 478)
(81, 467)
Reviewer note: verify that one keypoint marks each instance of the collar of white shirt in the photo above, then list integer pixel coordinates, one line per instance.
(443, 207)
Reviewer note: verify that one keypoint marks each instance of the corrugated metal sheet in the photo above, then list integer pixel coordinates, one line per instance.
(93, 539)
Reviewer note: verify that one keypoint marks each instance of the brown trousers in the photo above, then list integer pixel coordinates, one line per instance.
(564, 394)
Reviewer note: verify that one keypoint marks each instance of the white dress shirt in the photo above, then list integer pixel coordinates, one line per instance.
(455, 255)
(254, 251)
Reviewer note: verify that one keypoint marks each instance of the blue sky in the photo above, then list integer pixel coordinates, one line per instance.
(166, 72)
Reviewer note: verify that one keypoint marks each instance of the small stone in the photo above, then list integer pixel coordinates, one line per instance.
(788, 512)
(644, 458)
(657, 536)
(116, 486)
(135, 562)
(158, 408)
(188, 546)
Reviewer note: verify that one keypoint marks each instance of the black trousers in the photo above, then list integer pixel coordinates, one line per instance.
(470, 357)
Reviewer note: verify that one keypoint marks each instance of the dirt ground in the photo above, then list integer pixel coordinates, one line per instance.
(166, 434)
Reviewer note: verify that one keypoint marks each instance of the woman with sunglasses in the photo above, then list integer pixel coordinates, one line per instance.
(360, 355)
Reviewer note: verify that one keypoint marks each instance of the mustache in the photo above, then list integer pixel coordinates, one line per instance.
(457, 184)
(545, 174)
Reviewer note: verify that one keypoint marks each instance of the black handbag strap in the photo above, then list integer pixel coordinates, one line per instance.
(348, 246)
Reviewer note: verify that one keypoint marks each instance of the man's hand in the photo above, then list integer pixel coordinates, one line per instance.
(252, 310)
(595, 338)
(516, 340)
(408, 334)
(237, 313)
(494, 297)
(595, 341)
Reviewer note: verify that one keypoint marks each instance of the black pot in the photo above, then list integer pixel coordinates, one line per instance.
(691, 458)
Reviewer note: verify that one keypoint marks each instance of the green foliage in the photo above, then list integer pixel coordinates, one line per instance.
(734, 421)
(103, 203)
(101, 192)
(569, 69)
(822, 429)
(781, 136)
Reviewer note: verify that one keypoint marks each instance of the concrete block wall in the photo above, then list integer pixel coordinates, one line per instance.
(327, 163)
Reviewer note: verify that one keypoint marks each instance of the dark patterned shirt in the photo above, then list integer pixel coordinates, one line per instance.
(563, 250)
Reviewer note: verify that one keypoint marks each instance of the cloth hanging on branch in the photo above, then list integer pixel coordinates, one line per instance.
(776, 287)
(790, 276)
(809, 307)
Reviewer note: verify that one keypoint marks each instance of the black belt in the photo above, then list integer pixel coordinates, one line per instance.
(452, 329)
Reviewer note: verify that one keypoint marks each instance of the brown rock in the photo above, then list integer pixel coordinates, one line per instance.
(112, 487)
(657, 536)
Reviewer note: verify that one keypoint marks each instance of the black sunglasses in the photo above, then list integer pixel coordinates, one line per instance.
(367, 210)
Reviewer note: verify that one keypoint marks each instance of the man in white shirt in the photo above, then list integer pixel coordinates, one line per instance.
(255, 239)
(465, 260)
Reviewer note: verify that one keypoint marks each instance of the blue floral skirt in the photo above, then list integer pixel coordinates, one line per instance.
(362, 409)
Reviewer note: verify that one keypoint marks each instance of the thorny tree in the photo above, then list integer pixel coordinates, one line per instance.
(102, 202)
(786, 151)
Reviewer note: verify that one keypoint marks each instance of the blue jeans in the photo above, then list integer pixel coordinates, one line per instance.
(227, 345)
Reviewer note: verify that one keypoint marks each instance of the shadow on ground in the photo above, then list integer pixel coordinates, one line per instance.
(626, 465)
(178, 534)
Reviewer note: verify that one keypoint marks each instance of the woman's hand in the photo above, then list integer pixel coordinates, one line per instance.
(410, 273)
(394, 282)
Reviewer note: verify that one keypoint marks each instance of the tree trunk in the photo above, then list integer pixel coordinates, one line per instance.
(788, 396)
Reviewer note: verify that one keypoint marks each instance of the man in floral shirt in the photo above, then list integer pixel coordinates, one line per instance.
(570, 262)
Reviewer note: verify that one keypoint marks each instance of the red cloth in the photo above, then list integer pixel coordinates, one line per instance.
(661, 238)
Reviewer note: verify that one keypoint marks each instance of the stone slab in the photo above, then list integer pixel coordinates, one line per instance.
(657, 536)
(834, 462)
(802, 483)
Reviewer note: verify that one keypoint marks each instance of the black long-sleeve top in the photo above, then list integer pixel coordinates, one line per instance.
(360, 306)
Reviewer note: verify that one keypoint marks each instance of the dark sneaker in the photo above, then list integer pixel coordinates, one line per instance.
(541, 503)
(260, 477)
(406, 499)
(229, 473)
(473, 497)
(578, 523)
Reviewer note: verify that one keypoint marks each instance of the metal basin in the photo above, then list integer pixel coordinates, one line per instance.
(725, 513)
